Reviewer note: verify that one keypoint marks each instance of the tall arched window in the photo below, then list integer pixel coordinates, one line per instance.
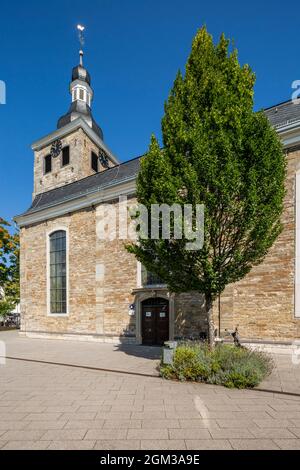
(58, 272)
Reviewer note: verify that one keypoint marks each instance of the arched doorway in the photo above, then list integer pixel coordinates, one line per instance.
(155, 321)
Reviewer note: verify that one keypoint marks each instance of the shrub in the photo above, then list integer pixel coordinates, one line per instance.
(6, 307)
(224, 365)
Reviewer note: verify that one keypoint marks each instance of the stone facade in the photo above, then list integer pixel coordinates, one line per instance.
(98, 297)
(190, 319)
(116, 279)
(81, 147)
(262, 304)
(103, 279)
(35, 317)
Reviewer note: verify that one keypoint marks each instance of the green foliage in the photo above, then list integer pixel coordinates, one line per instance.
(6, 307)
(190, 363)
(9, 264)
(219, 153)
(224, 365)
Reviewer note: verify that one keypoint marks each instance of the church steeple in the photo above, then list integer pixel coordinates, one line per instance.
(75, 150)
(81, 57)
(82, 97)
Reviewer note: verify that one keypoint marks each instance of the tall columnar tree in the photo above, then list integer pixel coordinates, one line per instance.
(218, 152)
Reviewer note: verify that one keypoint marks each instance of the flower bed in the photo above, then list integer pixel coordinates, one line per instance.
(225, 365)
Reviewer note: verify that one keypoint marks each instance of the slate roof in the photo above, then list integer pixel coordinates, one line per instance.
(80, 108)
(117, 174)
(80, 73)
(283, 113)
(279, 115)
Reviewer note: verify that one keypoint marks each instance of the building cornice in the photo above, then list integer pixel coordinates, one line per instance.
(98, 196)
(71, 127)
(289, 134)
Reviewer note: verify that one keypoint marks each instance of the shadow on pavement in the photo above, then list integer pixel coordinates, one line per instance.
(146, 352)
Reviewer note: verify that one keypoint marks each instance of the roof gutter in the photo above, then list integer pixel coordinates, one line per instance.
(289, 133)
(106, 193)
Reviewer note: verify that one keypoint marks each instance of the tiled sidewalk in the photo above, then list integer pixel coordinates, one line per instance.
(46, 406)
(128, 358)
(285, 376)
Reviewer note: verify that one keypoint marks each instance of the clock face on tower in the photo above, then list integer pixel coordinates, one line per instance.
(56, 148)
(103, 159)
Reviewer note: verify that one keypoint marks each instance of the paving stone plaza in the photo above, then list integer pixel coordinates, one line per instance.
(55, 406)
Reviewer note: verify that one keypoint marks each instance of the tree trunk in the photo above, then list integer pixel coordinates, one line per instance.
(210, 321)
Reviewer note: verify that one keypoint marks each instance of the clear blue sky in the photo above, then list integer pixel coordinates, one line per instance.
(133, 51)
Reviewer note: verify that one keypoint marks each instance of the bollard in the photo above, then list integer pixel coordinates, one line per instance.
(168, 352)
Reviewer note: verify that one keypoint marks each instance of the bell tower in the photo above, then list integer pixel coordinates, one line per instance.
(82, 96)
(76, 149)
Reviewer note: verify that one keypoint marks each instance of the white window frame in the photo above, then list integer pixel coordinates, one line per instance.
(139, 279)
(48, 234)
(76, 94)
(80, 88)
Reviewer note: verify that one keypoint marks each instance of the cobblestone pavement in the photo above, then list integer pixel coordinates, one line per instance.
(44, 406)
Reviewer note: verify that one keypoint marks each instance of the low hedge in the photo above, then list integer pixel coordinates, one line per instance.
(225, 365)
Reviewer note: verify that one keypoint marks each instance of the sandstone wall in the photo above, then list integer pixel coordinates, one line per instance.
(103, 276)
(79, 167)
(262, 303)
(190, 318)
(82, 292)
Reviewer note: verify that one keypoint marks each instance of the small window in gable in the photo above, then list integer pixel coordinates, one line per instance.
(81, 94)
(47, 164)
(65, 156)
(94, 162)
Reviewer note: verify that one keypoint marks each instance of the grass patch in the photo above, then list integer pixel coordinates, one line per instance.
(225, 365)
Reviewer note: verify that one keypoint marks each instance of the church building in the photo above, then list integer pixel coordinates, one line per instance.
(76, 285)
